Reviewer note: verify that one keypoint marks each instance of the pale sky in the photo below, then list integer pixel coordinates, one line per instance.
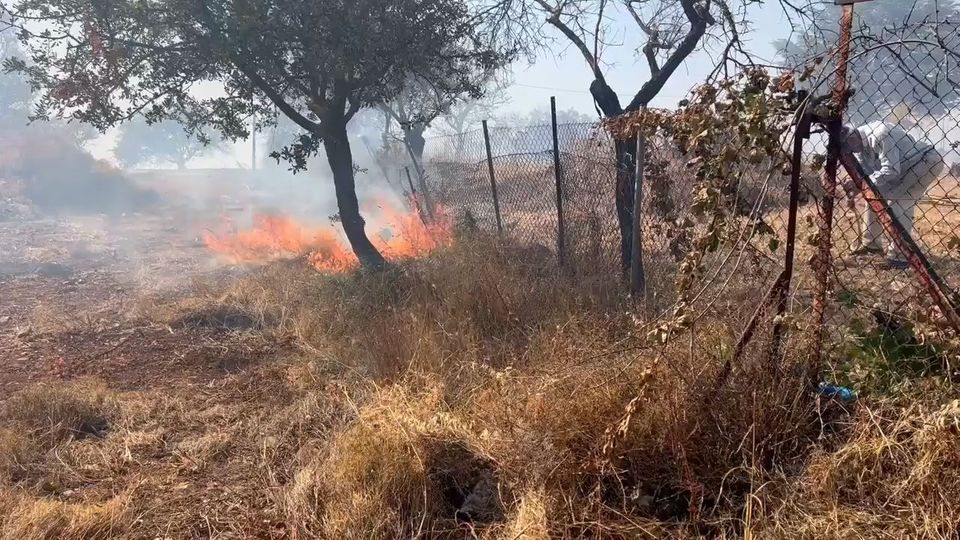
(565, 74)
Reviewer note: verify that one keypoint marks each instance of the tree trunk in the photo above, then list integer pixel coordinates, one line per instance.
(626, 188)
(337, 147)
(625, 153)
(415, 140)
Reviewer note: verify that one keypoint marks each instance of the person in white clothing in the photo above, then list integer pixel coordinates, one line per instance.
(902, 168)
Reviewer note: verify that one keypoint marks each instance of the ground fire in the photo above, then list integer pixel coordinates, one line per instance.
(398, 233)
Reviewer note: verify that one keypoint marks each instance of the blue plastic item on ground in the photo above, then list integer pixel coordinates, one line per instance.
(840, 392)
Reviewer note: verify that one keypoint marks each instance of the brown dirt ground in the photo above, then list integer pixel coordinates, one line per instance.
(72, 293)
(68, 293)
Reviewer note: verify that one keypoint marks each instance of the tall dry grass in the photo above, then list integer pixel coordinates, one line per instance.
(479, 392)
(489, 383)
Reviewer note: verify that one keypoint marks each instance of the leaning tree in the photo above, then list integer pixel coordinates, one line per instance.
(317, 63)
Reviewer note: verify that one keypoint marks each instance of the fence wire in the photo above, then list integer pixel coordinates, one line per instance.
(523, 164)
(907, 108)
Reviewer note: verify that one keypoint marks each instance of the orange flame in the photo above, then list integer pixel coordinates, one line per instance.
(402, 235)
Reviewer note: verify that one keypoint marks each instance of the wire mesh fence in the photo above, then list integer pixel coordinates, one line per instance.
(903, 127)
(523, 170)
(905, 113)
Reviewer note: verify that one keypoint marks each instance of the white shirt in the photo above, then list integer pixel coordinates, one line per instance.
(888, 152)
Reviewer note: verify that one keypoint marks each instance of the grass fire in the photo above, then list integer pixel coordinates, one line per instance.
(401, 234)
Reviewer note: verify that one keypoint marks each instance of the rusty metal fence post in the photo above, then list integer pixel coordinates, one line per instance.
(824, 257)
(493, 179)
(931, 280)
(558, 175)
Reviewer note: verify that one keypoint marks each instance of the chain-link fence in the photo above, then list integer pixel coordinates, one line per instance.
(521, 165)
(902, 127)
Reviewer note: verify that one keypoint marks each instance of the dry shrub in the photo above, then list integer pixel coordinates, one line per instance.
(896, 476)
(54, 414)
(25, 517)
(404, 467)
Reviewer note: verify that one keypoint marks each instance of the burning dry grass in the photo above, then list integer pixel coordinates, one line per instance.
(400, 234)
(476, 391)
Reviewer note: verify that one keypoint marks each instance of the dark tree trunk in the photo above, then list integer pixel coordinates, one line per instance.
(626, 191)
(414, 138)
(625, 153)
(337, 146)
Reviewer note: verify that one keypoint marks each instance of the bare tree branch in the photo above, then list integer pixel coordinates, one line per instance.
(555, 21)
(700, 18)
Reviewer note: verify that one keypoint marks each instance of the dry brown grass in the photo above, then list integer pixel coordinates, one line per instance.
(49, 519)
(896, 476)
(53, 414)
(43, 425)
(473, 393)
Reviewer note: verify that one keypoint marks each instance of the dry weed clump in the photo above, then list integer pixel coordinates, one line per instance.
(54, 414)
(896, 476)
(404, 467)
